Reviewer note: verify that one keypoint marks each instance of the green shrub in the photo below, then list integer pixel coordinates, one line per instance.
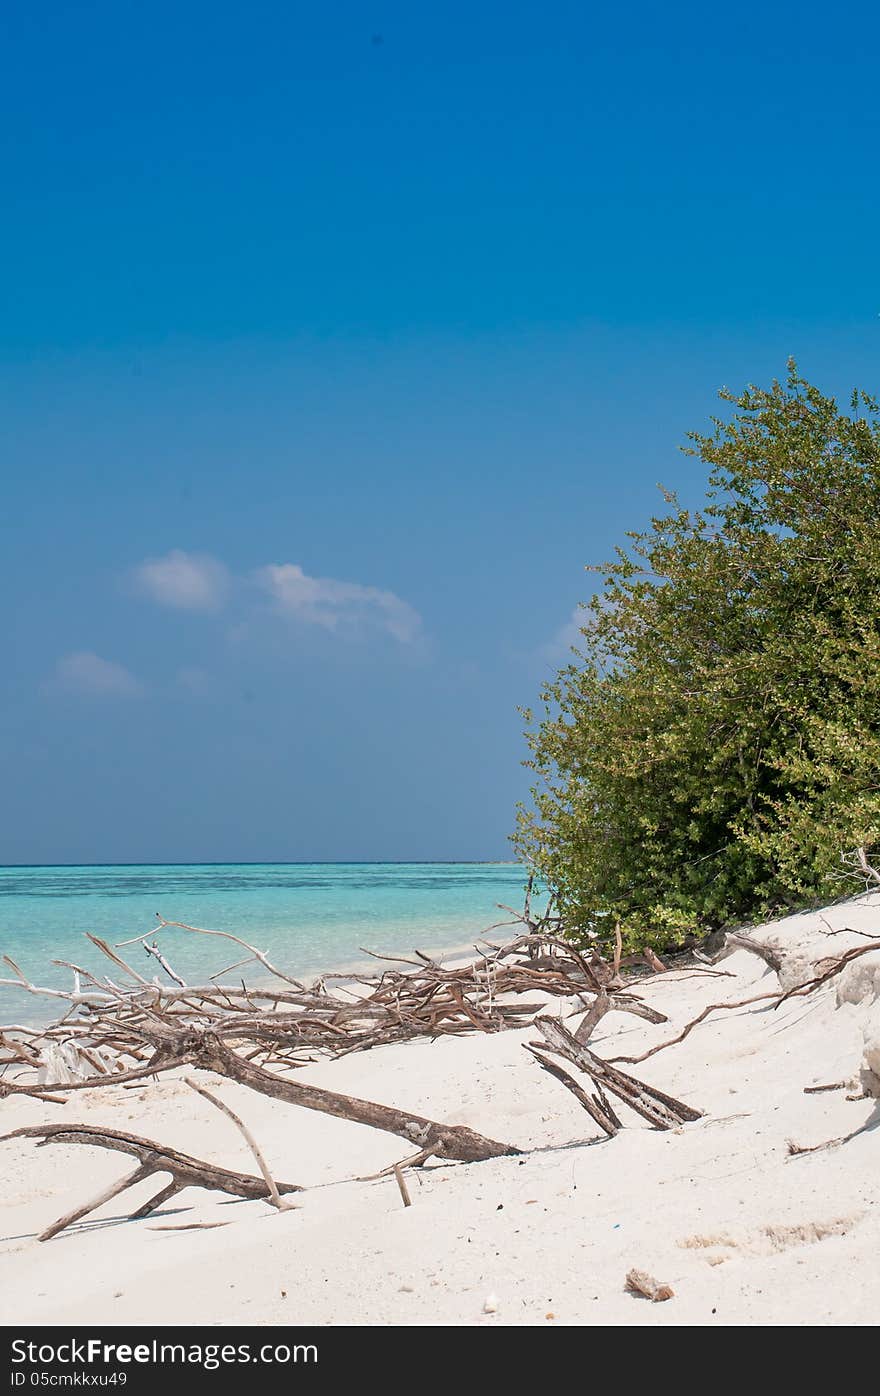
(714, 747)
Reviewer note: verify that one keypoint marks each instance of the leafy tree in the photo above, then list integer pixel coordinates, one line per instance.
(714, 747)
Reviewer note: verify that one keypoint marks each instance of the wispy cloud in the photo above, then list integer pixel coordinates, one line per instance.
(87, 673)
(198, 582)
(568, 636)
(185, 581)
(337, 605)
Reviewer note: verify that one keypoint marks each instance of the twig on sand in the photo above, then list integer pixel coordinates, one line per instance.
(797, 1150)
(401, 1183)
(854, 954)
(689, 1027)
(414, 1161)
(190, 1226)
(251, 1142)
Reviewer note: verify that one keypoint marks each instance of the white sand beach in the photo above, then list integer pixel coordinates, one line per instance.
(742, 1231)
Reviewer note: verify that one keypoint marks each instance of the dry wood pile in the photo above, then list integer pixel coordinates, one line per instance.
(122, 1028)
(125, 1026)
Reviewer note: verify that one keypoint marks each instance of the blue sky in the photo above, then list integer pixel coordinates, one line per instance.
(334, 342)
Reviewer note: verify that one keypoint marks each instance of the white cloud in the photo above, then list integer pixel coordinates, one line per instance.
(186, 581)
(333, 604)
(198, 582)
(86, 672)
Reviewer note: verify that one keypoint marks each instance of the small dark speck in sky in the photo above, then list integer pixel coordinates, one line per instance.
(377, 39)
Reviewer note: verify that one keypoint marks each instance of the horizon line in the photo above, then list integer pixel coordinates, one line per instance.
(289, 863)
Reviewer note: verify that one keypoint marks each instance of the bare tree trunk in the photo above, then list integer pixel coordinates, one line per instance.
(446, 1141)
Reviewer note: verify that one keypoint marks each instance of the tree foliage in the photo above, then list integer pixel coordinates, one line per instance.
(714, 746)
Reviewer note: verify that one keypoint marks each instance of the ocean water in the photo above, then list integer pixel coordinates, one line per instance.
(307, 917)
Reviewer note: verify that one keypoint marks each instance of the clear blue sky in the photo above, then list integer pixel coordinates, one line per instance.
(335, 341)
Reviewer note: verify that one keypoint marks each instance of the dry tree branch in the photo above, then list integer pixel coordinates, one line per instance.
(157, 954)
(767, 953)
(600, 1006)
(854, 954)
(227, 935)
(186, 1171)
(604, 1117)
(618, 951)
(870, 873)
(689, 1027)
(447, 1141)
(413, 1161)
(248, 1138)
(160, 1062)
(659, 1109)
(401, 1183)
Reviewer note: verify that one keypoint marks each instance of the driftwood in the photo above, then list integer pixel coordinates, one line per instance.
(401, 1183)
(124, 1029)
(661, 1110)
(768, 953)
(286, 1024)
(797, 1150)
(859, 868)
(157, 955)
(829, 972)
(248, 1138)
(414, 1161)
(695, 1022)
(653, 960)
(778, 996)
(594, 1015)
(253, 954)
(186, 1172)
(595, 1105)
(446, 1141)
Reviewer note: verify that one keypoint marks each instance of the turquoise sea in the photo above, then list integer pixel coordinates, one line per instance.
(308, 917)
